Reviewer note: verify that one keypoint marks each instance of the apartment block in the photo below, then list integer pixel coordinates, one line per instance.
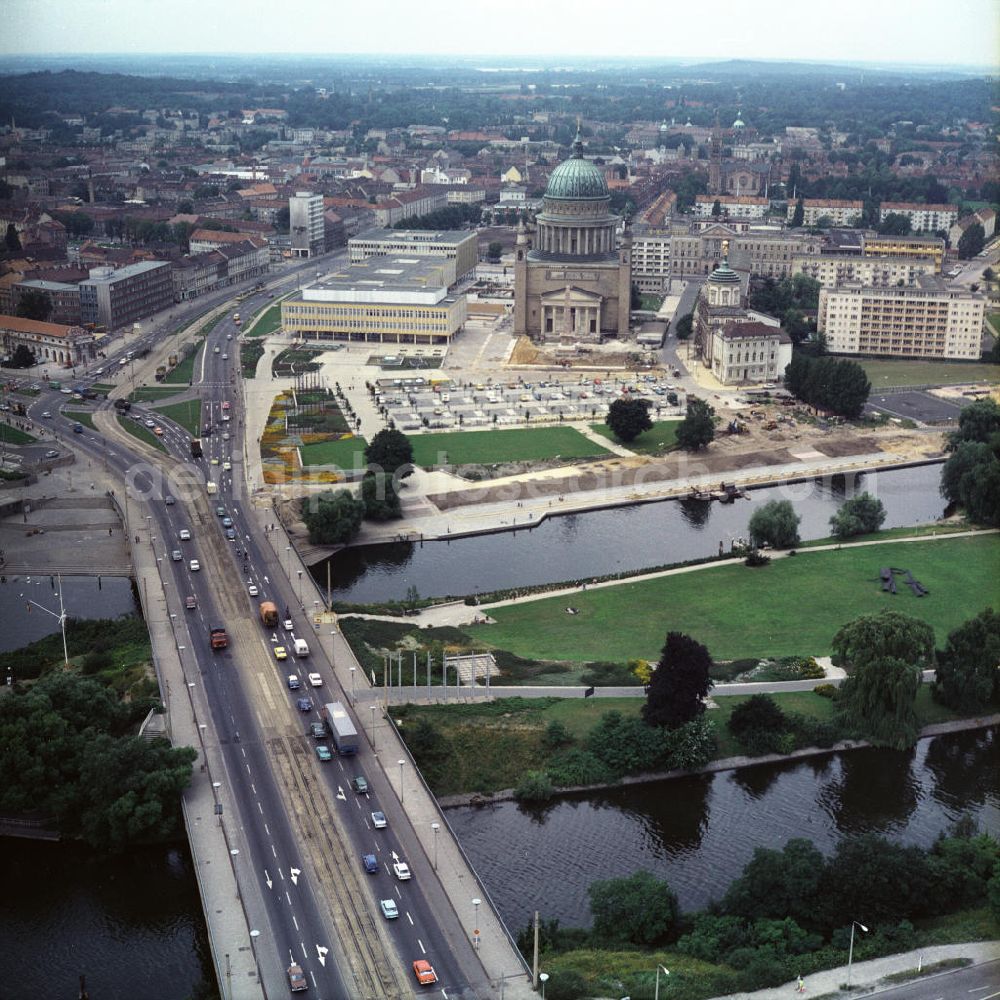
(730, 206)
(831, 270)
(305, 221)
(904, 246)
(931, 320)
(838, 211)
(923, 218)
(651, 260)
(461, 246)
(115, 298)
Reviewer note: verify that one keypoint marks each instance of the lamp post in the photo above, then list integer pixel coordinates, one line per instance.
(288, 560)
(666, 972)
(354, 695)
(850, 951)
(543, 978)
(401, 763)
(373, 727)
(475, 921)
(300, 587)
(435, 827)
(254, 934)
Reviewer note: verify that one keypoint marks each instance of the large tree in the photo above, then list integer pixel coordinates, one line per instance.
(971, 478)
(775, 524)
(679, 684)
(978, 421)
(628, 418)
(972, 241)
(860, 515)
(378, 492)
(12, 241)
(885, 655)
(391, 452)
(34, 304)
(637, 910)
(333, 518)
(968, 668)
(684, 326)
(834, 384)
(697, 429)
(895, 224)
(23, 357)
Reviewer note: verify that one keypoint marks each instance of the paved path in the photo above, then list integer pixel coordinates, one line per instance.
(867, 977)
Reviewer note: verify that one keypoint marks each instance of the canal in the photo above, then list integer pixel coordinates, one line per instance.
(595, 543)
(697, 833)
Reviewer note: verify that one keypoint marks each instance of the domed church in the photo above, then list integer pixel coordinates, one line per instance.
(572, 281)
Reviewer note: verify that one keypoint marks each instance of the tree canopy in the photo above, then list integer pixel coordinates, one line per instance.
(628, 418)
(697, 429)
(835, 384)
(968, 668)
(679, 684)
(333, 518)
(391, 452)
(34, 304)
(639, 909)
(775, 524)
(380, 497)
(684, 326)
(972, 241)
(860, 515)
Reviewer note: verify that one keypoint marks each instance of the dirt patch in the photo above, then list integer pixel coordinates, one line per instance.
(848, 446)
(524, 353)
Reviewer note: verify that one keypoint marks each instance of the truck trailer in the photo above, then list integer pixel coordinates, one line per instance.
(196, 451)
(268, 614)
(342, 731)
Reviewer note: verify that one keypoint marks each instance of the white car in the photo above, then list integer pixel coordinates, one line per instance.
(225, 417)
(229, 336)
(150, 423)
(378, 820)
(402, 870)
(184, 535)
(225, 357)
(47, 415)
(216, 350)
(389, 909)
(315, 680)
(227, 466)
(195, 565)
(252, 589)
(288, 625)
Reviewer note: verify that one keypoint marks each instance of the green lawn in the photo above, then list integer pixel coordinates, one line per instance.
(660, 438)
(651, 302)
(184, 372)
(792, 607)
(104, 387)
(487, 447)
(250, 354)
(993, 318)
(892, 373)
(142, 433)
(13, 435)
(148, 392)
(187, 414)
(269, 322)
(347, 453)
(84, 417)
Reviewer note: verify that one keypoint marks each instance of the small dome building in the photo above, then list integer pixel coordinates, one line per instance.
(572, 280)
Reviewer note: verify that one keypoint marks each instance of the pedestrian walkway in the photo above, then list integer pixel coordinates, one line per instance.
(869, 977)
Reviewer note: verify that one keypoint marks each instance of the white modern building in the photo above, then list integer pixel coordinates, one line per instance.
(305, 220)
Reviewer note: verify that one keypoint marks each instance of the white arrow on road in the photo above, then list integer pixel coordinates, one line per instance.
(295, 873)
(266, 580)
(267, 879)
(340, 794)
(321, 954)
(395, 856)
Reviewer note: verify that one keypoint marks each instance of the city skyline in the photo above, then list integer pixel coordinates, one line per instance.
(894, 32)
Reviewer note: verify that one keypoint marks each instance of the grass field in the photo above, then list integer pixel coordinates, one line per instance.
(891, 373)
(187, 414)
(184, 372)
(250, 354)
(660, 438)
(792, 607)
(487, 447)
(84, 417)
(142, 433)
(269, 322)
(347, 453)
(13, 435)
(104, 387)
(651, 302)
(150, 392)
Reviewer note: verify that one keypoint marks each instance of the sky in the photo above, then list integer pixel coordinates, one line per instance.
(927, 32)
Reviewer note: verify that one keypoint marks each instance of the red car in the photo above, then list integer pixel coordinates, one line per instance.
(424, 972)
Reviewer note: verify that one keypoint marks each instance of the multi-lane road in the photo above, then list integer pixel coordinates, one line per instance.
(302, 830)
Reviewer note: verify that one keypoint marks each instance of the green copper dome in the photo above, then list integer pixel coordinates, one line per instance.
(577, 179)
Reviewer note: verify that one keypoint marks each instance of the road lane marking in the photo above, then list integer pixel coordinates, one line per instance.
(289, 898)
(423, 950)
(261, 808)
(408, 917)
(294, 921)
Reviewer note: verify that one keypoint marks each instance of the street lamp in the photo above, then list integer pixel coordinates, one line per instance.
(401, 763)
(300, 587)
(435, 827)
(254, 934)
(354, 695)
(543, 978)
(475, 921)
(666, 972)
(373, 727)
(850, 952)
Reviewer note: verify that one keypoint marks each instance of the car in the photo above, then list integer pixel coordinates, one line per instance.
(323, 752)
(225, 437)
(190, 602)
(221, 512)
(402, 870)
(227, 465)
(97, 371)
(317, 730)
(216, 351)
(46, 415)
(194, 565)
(176, 555)
(229, 336)
(280, 653)
(370, 862)
(231, 534)
(296, 978)
(389, 909)
(252, 589)
(227, 522)
(378, 820)
(303, 704)
(215, 461)
(225, 357)
(292, 680)
(184, 535)
(315, 680)
(360, 785)
(122, 362)
(149, 423)
(52, 453)
(288, 625)
(424, 972)
(225, 418)
(169, 501)
(158, 431)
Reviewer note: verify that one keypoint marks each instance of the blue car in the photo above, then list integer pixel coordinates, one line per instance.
(227, 522)
(304, 705)
(231, 534)
(371, 863)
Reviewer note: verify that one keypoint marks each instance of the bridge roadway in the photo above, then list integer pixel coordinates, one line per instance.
(299, 829)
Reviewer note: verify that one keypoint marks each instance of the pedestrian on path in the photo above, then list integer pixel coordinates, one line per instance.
(801, 987)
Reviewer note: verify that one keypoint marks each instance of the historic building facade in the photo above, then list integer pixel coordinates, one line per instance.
(572, 281)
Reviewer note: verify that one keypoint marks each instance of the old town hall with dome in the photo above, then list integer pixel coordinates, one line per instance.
(572, 279)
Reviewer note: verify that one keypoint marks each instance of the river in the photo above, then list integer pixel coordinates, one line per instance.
(594, 543)
(697, 833)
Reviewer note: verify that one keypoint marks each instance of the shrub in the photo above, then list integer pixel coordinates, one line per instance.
(96, 661)
(535, 786)
(826, 690)
(758, 724)
(603, 674)
(578, 767)
(756, 558)
(566, 985)
(556, 735)
(691, 745)
(810, 732)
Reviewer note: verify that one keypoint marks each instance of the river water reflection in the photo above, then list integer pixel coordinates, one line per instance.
(697, 833)
(609, 541)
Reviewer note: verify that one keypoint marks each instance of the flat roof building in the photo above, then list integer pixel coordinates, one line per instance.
(114, 298)
(458, 245)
